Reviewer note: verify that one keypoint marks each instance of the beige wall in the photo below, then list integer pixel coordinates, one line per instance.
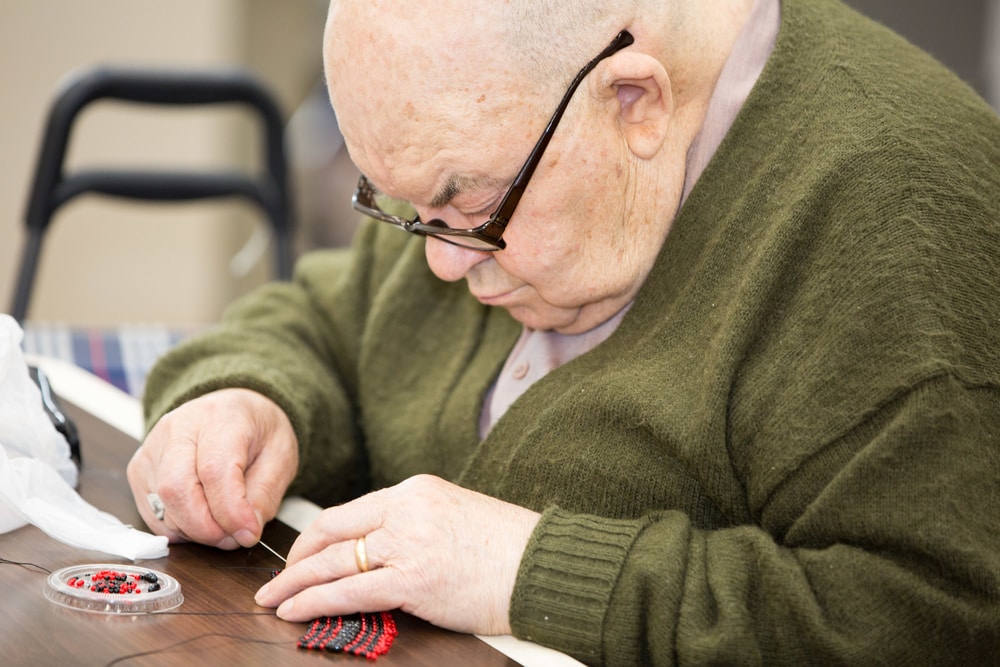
(109, 261)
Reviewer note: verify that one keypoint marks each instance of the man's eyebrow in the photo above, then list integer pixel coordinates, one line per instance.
(456, 185)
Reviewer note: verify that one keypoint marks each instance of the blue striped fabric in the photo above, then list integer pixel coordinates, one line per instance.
(121, 355)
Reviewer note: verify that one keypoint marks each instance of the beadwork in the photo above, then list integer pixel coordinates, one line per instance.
(367, 635)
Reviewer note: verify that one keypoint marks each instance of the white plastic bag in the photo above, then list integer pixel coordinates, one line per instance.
(37, 475)
(25, 430)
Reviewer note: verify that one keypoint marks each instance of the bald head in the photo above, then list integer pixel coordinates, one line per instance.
(435, 65)
(524, 34)
(398, 75)
(404, 77)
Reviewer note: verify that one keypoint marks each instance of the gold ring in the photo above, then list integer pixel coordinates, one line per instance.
(361, 555)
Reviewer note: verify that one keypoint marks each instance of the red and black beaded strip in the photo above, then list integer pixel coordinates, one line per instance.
(117, 583)
(367, 635)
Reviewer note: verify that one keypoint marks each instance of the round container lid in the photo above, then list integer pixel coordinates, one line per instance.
(113, 589)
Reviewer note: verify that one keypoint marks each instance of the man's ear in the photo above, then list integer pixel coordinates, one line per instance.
(638, 85)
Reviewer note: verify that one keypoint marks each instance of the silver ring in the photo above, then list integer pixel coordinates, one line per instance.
(156, 505)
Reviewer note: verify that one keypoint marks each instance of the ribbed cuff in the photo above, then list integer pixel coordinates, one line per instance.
(567, 575)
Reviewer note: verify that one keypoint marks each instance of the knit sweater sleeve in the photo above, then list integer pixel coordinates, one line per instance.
(888, 564)
(298, 343)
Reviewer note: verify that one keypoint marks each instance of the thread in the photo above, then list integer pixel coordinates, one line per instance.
(191, 640)
(26, 565)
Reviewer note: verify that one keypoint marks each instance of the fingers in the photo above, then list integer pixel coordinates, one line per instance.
(154, 478)
(326, 555)
(273, 468)
(328, 550)
(247, 458)
(330, 582)
(222, 460)
(446, 554)
(377, 590)
(337, 524)
(334, 562)
(220, 464)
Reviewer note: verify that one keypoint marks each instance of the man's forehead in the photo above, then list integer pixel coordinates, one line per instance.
(429, 109)
(434, 167)
(391, 131)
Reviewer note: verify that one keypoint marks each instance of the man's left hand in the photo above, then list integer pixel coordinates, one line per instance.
(435, 550)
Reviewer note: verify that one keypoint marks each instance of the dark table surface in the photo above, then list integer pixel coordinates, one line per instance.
(218, 623)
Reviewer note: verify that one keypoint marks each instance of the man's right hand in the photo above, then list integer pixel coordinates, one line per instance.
(220, 464)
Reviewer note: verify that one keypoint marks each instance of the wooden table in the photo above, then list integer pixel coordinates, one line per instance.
(218, 623)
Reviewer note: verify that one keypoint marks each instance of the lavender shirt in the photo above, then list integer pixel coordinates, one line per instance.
(538, 352)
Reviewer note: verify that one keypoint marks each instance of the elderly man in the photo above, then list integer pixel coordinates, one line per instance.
(691, 356)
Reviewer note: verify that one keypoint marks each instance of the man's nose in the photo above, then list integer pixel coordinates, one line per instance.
(451, 262)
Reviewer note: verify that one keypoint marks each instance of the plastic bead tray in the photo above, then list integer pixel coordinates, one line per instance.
(113, 589)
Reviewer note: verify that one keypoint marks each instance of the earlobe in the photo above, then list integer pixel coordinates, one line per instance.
(641, 90)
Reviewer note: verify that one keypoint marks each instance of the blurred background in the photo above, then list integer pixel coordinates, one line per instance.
(107, 261)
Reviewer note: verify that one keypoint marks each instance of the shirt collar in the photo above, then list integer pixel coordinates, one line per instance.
(739, 74)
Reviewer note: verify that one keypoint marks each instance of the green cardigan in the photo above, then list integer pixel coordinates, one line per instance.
(788, 453)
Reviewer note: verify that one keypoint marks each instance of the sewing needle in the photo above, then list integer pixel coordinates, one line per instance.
(273, 552)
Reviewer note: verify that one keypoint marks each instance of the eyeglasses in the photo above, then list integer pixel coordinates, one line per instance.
(487, 236)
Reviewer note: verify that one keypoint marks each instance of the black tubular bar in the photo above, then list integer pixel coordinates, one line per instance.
(52, 187)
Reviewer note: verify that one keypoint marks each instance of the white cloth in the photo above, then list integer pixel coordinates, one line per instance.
(37, 475)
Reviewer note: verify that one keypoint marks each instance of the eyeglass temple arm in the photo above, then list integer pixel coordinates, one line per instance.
(510, 202)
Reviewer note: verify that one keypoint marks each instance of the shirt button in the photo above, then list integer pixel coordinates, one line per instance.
(521, 370)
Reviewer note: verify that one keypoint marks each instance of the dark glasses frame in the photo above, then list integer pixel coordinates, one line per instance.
(489, 235)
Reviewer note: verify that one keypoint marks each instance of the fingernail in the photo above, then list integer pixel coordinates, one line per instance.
(227, 544)
(260, 519)
(245, 538)
(285, 609)
(262, 593)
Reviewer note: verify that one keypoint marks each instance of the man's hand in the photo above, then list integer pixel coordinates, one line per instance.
(436, 550)
(220, 464)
